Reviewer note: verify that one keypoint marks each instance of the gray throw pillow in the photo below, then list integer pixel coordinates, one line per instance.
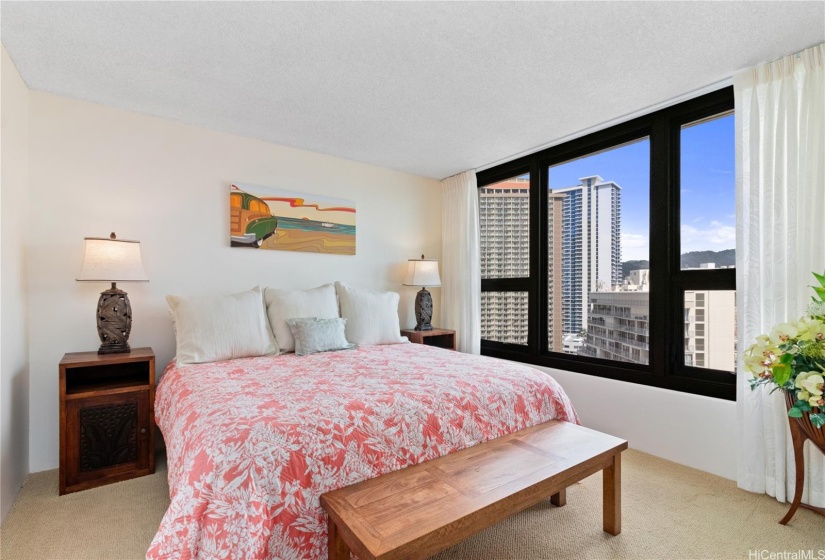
(314, 335)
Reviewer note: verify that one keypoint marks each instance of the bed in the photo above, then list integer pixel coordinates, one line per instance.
(252, 443)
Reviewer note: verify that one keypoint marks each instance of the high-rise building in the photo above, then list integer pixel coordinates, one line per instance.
(555, 260)
(584, 255)
(710, 328)
(592, 254)
(504, 223)
(618, 325)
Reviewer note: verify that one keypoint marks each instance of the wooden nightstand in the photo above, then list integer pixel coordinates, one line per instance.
(107, 427)
(442, 338)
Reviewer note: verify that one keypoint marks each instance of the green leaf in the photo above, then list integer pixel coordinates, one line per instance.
(804, 406)
(820, 278)
(818, 420)
(781, 373)
(794, 412)
(786, 359)
(820, 292)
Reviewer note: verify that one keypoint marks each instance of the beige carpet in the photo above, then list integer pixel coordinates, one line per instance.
(670, 511)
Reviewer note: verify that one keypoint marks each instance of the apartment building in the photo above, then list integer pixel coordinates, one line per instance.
(710, 329)
(504, 222)
(584, 255)
(618, 327)
(618, 324)
(591, 237)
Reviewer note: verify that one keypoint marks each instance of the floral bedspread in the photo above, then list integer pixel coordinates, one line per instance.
(252, 443)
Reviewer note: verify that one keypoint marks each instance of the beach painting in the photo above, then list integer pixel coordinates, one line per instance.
(264, 218)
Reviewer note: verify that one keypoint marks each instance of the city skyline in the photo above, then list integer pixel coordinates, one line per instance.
(707, 186)
(584, 254)
(592, 309)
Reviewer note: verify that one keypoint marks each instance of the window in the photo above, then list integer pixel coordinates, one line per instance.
(598, 216)
(235, 200)
(714, 331)
(707, 193)
(504, 316)
(258, 207)
(613, 254)
(504, 222)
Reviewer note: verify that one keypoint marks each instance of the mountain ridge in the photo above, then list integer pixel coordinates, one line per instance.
(690, 259)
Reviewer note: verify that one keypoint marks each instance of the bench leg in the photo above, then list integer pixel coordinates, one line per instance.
(612, 488)
(559, 498)
(338, 549)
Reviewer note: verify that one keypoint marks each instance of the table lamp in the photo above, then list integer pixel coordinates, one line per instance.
(423, 272)
(112, 260)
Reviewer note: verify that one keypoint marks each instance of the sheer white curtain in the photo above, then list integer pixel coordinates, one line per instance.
(780, 180)
(460, 261)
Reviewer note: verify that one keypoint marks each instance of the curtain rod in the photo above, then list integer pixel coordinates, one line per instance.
(624, 118)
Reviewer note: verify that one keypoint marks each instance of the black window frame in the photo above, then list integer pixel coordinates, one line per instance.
(666, 367)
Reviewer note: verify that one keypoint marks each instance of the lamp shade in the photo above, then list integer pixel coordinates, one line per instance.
(112, 260)
(422, 272)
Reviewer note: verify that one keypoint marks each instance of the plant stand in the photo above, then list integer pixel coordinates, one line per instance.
(801, 430)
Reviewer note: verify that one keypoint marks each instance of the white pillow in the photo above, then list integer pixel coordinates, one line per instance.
(221, 327)
(372, 317)
(295, 304)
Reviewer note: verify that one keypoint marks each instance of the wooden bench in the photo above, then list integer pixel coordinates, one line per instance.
(420, 510)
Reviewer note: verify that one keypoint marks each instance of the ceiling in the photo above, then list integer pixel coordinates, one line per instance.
(429, 88)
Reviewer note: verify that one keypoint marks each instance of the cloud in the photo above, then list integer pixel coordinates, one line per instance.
(634, 240)
(635, 246)
(716, 237)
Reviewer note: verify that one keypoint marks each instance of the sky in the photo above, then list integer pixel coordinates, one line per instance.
(707, 186)
(290, 204)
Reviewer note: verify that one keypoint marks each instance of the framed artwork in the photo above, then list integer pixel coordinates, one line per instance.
(264, 218)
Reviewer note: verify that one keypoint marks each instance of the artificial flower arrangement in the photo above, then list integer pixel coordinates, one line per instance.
(792, 357)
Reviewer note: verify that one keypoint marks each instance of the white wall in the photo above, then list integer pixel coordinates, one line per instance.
(692, 430)
(95, 170)
(14, 231)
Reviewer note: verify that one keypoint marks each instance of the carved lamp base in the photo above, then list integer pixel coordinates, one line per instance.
(423, 310)
(114, 321)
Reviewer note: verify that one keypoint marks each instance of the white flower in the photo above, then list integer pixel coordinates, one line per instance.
(783, 332)
(803, 395)
(759, 357)
(810, 329)
(812, 383)
(801, 377)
